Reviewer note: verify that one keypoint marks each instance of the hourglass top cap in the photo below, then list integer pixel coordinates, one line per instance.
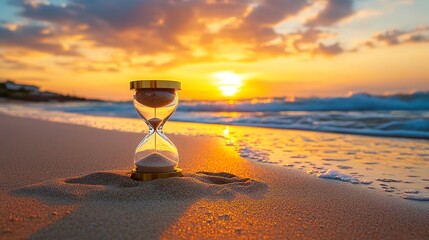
(139, 84)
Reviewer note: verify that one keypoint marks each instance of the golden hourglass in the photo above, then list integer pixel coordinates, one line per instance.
(155, 156)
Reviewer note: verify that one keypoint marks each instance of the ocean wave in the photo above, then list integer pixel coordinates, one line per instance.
(397, 115)
(407, 124)
(355, 102)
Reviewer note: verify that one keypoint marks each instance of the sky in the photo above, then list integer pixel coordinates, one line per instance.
(218, 49)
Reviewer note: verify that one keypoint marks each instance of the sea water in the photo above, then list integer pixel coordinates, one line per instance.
(394, 115)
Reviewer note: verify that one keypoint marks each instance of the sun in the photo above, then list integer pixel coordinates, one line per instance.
(229, 83)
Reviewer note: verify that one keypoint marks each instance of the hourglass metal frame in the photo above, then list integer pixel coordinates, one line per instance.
(155, 128)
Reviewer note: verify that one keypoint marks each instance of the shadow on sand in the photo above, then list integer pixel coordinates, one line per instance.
(112, 205)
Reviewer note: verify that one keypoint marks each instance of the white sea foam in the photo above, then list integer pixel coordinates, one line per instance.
(412, 191)
(336, 159)
(415, 197)
(336, 175)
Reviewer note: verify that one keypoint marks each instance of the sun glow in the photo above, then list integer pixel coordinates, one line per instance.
(229, 83)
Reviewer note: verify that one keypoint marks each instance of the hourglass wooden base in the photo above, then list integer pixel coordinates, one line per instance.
(139, 176)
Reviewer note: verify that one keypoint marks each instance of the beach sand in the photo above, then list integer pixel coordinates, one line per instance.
(67, 181)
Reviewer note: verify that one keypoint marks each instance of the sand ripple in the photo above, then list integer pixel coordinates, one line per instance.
(118, 186)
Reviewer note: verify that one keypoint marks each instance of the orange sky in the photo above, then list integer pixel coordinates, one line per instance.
(218, 49)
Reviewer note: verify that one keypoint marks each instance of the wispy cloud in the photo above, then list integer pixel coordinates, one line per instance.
(334, 12)
(34, 37)
(329, 50)
(9, 63)
(397, 37)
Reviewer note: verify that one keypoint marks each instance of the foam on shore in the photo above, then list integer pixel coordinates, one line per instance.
(336, 175)
(415, 197)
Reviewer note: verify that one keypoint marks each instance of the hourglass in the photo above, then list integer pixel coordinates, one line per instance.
(156, 156)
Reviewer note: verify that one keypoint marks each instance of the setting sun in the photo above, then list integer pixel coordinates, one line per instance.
(229, 83)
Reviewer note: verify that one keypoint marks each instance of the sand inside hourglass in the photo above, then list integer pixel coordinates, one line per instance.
(155, 162)
(155, 98)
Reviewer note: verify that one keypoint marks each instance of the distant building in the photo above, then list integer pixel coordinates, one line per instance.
(16, 87)
(11, 90)
(50, 94)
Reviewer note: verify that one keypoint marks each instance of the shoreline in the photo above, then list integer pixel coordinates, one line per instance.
(294, 205)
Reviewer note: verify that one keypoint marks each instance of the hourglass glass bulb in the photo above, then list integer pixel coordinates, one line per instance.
(153, 105)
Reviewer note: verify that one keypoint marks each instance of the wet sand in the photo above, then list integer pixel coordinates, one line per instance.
(67, 181)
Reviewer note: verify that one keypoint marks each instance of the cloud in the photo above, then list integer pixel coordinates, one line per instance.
(329, 50)
(334, 12)
(361, 14)
(310, 36)
(8, 63)
(396, 37)
(389, 37)
(168, 33)
(33, 37)
(177, 27)
(272, 11)
(82, 65)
